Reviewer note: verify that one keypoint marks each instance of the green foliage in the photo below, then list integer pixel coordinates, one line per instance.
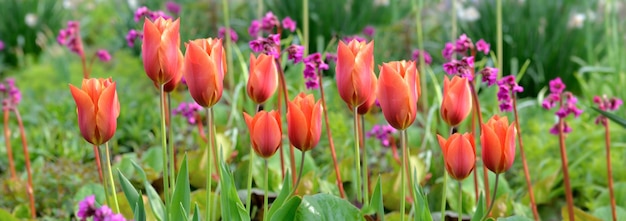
(326, 207)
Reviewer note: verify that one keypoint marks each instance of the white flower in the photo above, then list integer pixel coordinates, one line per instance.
(576, 20)
(30, 19)
(468, 14)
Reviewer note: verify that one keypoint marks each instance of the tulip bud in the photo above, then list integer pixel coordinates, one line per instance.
(459, 154)
(354, 71)
(265, 132)
(98, 109)
(498, 141)
(398, 91)
(172, 84)
(304, 121)
(457, 100)
(204, 69)
(263, 78)
(365, 107)
(161, 49)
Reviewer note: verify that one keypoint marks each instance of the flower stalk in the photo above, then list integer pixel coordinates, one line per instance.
(30, 187)
(493, 200)
(166, 179)
(7, 135)
(480, 124)
(609, 170)
(533, 204)
(403, 177)
(283, 88)
(357, 161)
(111, 180)
(568, 188)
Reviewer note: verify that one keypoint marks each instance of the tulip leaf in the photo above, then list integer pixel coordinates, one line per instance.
(421, 202)
(129, 191)
(326, 207)
(515, 218)
(377, 200)
(617, 119)
(232, 207)
(578, 214)
(139, 210)
(181, 198)
(480, 208)
(196, 213)
(158, 209)
(288, 210)
(282, 196)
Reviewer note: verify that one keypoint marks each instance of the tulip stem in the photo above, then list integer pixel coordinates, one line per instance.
(531, 194)
(330, 137)
(7, 140)
(170, 140)
(460, 210)
(480, 125)
(166, 179)
(283, 87)
(105, 182)
(568, 189)
(249, 182)
(299, 174)
(30, 188)
(111, 181)
(403, 177)
(493, 199)
(444, 194)
(96, 154)
(357, 161)
(366, 177)
(607, 139)
(209, 180)
(265, 202)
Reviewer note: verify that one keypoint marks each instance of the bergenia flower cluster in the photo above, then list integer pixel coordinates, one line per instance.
(606, 104)
(143, 11)
(70, 37)
(312, 64)
(103, 55)
(133, 35)
(368, 32)
(172, 7)
(188, 110)
(384, 133)
(507, 87)
(565, 99)
(269, 45)
(9, 94)
(87, 209)
(267, 24)
(465, 67)
(1, 45)
(417, 54)
(221, 33)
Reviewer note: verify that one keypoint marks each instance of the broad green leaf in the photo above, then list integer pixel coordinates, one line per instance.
(156, 204)
(139, 210)
(288, 210)
(199, 197)
(181, 198)
(88, 190)
(196, 213)
(282, 196)
(480, 209)
(617, 119)
(578, 214)
(515, 218)
(6, 216)
(326, 207)
(377, 200)
(232, 207)
(129, 191)
(605, 212)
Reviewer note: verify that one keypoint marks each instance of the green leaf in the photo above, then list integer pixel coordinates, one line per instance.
(158, 209)
(326, 207)
(196, 213)
(288, 210)
(421, 203)
(578, 214)
(129, 191)
(617, 119)
(605, 213)
(515, 218)
(139, 210)
(282, 196)
(181, 198)
(232, 207)
(480, 209)
(376, 202)
(7, 216)
(182, 208)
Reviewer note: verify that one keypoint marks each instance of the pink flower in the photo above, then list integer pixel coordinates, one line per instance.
(289, 24)
(448, 51)
(172, 7)
(368, 31)
(1, 45)
(427, 58)
(269, 21)
(132, 36)
(483, 46)
(103, 55)
(254, 28)
(221, 33)
(140, 12)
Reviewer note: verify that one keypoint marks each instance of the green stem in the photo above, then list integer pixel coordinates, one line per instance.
(493, 198)
(460, 211)
(216, 159)
(111, 181)
(105, 182)
(402, 175)
(305, 26)
(295, 188)
(229, 58)
(420, 45)
(166, 183)
(265, 202)
(454, 23)
(357, 161)
(366, 179)
(170, 142)
(209, 180)
(249, 182)
(259, 9)
(499, 35)
(444, 195)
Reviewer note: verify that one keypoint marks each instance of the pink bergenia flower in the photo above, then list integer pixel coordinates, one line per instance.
(172, 7)
(254, 28)
(369, 31)
(221, 33)
(87, 207)
(384, 133)
(463, 44)
(132, 36)
(294, 53)
(448, 51)
(312, 64)
(269, 21)
(140, 13)
(483, 46)
(289, 24)
(490, 75)
(506, 87)
(103, 55)
(418, 53)
(1, 45)
(606, 104)
(70, 37)
(565, 99)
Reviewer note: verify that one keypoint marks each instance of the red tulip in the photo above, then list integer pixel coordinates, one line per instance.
(398, 89)
(457, 100)
(498, 140)
(204, 69)
(304, 121)
(172, 84)
(354, 71)
(459, 154)
(98, 109)
(263, 78)
(365, 107)
(161, 50)
(265, 132)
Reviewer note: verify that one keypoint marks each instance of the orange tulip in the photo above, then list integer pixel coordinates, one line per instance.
(498, 140)
(98, 109)
(457, 100)
(172, 84)
(354, 71)
(263, 78)
(265, 132)
(398, 89)
(459, 154)
(365, 107)
(304, 121)
(204, 69)
(161, 50)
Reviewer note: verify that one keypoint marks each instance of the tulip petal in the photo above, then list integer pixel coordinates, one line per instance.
(108, 110)
(200, 73)
(266, 135)
(149, 47)
(315, 125)
(442, 144)
(394, 98)
(297, 126)
(168, 51)
(461, 158)
(86, 114)
(509, 146)
(343, 69)
(492, 149)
